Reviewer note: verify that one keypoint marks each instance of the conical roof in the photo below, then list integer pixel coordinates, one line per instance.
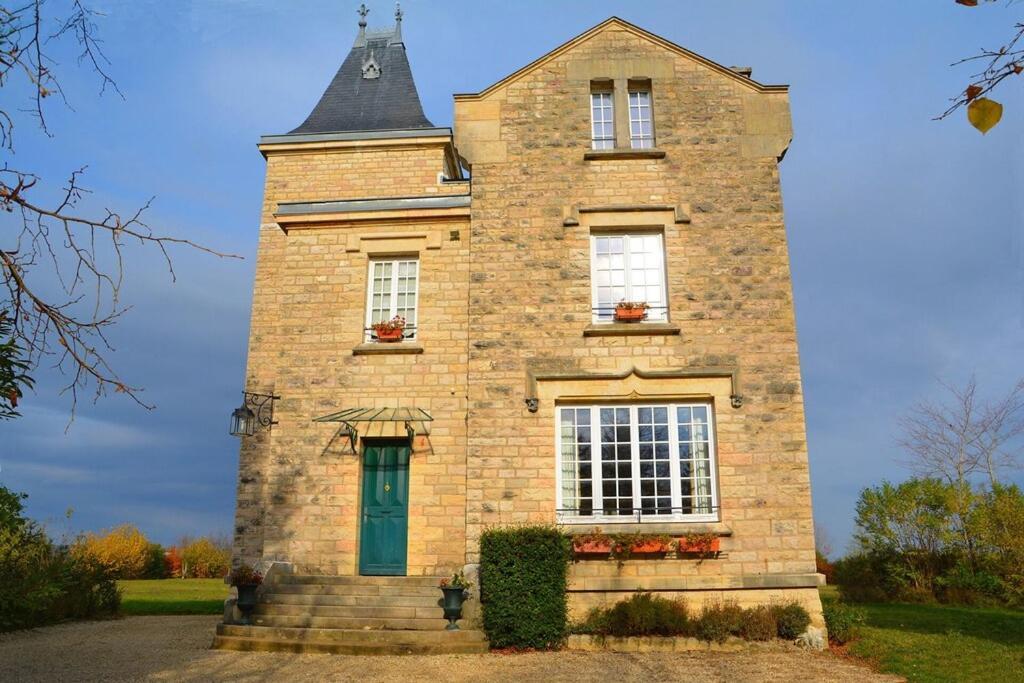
(373, 89)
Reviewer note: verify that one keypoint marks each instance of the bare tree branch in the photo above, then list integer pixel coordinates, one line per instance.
(42, 241)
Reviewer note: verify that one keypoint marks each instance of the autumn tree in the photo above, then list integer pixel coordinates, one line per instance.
(998, 65)
(62, 264)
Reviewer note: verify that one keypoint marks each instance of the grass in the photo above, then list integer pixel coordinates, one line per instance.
(938, 643)
(173, 596)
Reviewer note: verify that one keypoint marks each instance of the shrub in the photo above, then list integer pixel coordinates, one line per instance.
(759, 623)
(863, 578)
(719, 621)
(41, 584)
(642, 614)
(203, 559)
(523, 576)
(842, 621)
(792, 620)
(124, 551)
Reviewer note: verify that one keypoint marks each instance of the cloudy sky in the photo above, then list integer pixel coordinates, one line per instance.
(905, 233)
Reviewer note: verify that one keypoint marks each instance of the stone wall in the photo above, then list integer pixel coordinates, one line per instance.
(299, 482)
(527, 141)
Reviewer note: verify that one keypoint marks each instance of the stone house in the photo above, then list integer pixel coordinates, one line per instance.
(617, 167)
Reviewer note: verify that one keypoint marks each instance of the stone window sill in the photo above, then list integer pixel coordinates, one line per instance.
(631, 330)
(625, 153)
(395, 348)
(667, 528)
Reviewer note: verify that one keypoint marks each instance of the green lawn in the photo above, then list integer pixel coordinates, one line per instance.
(173, 596)
(933, 643)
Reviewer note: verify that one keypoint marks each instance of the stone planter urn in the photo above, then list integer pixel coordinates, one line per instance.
(246, 601)
(453, 599)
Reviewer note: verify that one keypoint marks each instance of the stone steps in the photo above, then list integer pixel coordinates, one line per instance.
(405, 581)
(435, 623)
(350, 642)
(327, 600)
(351, 611)
(389, 590)
(350, 615)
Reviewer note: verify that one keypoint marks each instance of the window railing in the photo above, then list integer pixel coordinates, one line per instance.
(646, 514)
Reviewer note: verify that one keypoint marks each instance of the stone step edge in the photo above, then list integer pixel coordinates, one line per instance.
(299, 633)
(299, 647)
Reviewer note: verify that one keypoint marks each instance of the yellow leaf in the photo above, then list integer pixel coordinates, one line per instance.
(984, 114)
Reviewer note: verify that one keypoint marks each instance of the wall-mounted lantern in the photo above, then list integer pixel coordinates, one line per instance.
(256, 409)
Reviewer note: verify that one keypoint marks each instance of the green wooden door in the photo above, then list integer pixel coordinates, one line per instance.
(385, 525)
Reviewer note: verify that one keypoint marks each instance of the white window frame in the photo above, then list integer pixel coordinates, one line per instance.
(599, 314)
(565, 517)
(393, 295)
(640, 112)
(606, 98)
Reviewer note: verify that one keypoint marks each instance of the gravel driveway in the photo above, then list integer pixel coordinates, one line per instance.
(177, 649)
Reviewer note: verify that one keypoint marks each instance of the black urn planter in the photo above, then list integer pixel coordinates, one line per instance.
(246, 602)
(453, 599)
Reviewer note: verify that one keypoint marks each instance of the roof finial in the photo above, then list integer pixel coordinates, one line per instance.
(362, 12)
(398, 24)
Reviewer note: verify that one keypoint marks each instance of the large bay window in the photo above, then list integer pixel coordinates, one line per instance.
(393, 284)
(628, 267)
(622, 463)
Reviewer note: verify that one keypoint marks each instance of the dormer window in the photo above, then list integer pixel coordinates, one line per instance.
(602, 116)
(371, 68)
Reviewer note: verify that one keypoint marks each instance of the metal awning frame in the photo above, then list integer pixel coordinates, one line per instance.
(351, 416)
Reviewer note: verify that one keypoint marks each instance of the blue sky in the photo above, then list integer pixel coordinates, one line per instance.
(906, 235)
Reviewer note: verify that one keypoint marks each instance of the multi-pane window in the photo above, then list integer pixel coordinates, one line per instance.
(628, 267)
(628, 463)
(392, 292)
(602, 120)
(641, 128)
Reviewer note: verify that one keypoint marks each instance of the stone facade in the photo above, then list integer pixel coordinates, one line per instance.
(505, 312)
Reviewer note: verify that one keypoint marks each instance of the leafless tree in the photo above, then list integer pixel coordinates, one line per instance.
(58, 245)
(965, 436)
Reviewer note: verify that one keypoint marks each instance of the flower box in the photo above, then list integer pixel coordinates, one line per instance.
(698, 546)
(626, 315)
(392, 335)
(591, 547)
(653, 547)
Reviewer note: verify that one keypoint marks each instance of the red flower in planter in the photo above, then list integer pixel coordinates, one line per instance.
(698, 545)
(631, 311)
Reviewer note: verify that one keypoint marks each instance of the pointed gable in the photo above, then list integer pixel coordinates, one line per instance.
(373, 90)
(739, 75)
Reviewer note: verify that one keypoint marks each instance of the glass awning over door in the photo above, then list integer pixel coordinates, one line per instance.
(351, 417)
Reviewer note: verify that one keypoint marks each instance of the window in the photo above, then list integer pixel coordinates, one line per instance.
(641, 128)
(602, 118)
(627, 463)
(628, 267)
(392, 291)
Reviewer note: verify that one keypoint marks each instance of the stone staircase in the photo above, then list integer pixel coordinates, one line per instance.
(349, 615)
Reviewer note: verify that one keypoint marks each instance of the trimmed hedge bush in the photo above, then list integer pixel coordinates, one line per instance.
(792, 620)
(644, 614)
(523, 581)
(842, 621)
